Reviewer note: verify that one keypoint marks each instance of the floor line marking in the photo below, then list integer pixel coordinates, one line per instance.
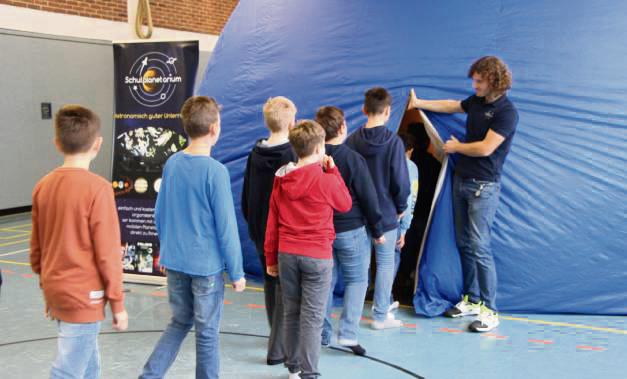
(14, 252)
(15, 263)
(565, 324)
(19, 235)
(16, 226)
(14, 242)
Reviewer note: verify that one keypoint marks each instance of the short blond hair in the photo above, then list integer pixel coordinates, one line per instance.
(279, 112)
(305, 136)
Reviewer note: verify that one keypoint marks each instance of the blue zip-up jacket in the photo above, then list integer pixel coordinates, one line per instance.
(195, 218)
(385, 155)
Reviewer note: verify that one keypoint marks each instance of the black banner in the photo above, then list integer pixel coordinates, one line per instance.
(152, 81)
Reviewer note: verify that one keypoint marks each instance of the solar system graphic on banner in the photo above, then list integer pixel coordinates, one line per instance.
(152, 81)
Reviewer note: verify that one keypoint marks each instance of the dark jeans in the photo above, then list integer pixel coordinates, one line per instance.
(475, 204)
(306, 283)
(274, 310)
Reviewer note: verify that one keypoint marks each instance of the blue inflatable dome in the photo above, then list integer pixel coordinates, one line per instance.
(560, 235)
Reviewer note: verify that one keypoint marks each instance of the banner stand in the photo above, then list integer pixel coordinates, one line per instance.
(152, 81)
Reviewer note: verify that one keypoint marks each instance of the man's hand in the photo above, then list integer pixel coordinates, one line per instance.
(452, 145)
(120, 321)
(380, 240)
(413, 100)
(328, 163)
(239, 285)
(401, 241)
(273, 271)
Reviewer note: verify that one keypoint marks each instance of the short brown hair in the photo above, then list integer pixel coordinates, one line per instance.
(279, 112)
(495, 71)
(331, 119)
(76, 128)
(377, 99)
(199, 113)
(305, 136)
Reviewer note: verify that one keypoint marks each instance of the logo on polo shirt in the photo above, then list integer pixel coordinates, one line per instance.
(489, 114)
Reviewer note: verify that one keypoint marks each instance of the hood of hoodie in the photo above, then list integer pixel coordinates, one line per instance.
(266, 158)
(296, 182)
(372, 140)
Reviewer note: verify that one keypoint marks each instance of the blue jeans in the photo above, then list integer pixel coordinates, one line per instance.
(351, 255)
(77, 355)
(475, 204)
(195, 301)
(384, 256)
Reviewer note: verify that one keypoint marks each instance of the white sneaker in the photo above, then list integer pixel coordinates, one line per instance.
(463, 308)
(485, 322)
(389, 323)
(393, 306)
(295, 375)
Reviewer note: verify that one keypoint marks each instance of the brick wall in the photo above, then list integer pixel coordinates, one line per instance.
(201, 16)
(114, 10)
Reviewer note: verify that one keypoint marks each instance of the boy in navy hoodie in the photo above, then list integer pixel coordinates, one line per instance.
(385, 156)
(264, 160)
(351, 248)
(299, 239)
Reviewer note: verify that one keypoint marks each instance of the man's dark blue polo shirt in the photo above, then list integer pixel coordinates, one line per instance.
(502, 117)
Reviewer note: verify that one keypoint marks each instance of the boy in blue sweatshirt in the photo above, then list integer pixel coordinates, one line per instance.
(195, 219)
(385, 157)
(351, 248)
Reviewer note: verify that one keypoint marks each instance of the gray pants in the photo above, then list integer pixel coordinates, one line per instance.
(306, 283)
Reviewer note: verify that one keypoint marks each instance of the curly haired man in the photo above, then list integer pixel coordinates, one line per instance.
(490, 127)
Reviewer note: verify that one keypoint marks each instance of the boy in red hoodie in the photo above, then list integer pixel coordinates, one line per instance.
(299, 239)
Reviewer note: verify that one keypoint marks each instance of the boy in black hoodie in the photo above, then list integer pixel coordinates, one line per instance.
(385, 156)
(264, 160)
(351, 248)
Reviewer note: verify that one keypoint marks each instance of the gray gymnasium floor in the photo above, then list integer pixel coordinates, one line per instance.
(524, 346)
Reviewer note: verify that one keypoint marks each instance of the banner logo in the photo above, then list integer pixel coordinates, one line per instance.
(152, 79)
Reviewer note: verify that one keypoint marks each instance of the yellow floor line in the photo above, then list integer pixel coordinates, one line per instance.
(565, 324)
(17, 226)
(14, 230)
(15, 263)
(14, 236)
(14, 242)
(14, 252)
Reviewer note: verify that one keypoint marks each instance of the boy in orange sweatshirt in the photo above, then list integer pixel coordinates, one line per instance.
(75, 246)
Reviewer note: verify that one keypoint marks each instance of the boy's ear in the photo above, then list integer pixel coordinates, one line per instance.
(387, 111)
(291, 125)
(363, 109)
(57, 144)
(95, 147)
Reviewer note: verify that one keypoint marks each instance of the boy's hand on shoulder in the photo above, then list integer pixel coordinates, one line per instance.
(328, 163)
(273, 271)
(120, 321)
(380, 240)
(239, 285)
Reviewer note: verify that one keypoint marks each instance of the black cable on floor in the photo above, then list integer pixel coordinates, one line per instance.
(386, 363)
